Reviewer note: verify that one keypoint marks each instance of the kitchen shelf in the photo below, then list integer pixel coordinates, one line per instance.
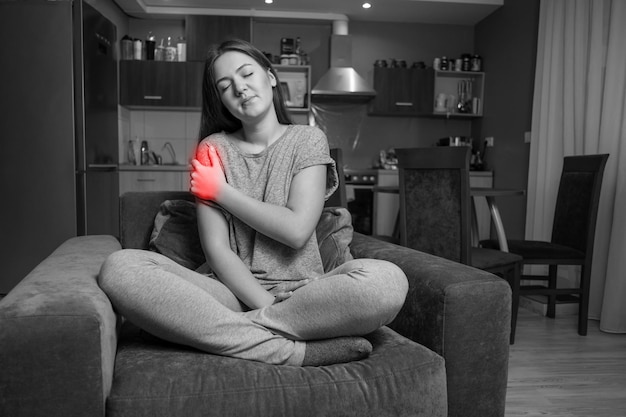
(296, 84)
(448, 82)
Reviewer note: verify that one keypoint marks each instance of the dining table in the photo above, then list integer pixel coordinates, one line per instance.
(490, 195)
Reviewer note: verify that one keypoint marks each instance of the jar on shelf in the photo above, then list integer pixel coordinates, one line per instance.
(443, 65)
(467, 62)
(127, 48)
(170, 50)
(181, 49)
(137, 49)
(477, 63)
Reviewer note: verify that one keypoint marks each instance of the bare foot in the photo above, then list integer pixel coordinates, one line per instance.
(338, 350)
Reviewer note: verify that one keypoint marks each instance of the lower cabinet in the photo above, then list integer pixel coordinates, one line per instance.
(153, 181)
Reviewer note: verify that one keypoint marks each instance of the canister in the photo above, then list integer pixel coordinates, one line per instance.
(137, 49)
(181, 49)
(127, 48)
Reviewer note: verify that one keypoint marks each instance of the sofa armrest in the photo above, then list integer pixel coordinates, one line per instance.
(58, 335)
(460, 312)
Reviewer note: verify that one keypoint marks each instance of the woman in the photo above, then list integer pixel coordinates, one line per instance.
(260, 184)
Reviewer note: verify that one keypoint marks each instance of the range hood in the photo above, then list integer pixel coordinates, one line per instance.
(341, 82)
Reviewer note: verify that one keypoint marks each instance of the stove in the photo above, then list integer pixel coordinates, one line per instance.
(361, 176)
(359, 191)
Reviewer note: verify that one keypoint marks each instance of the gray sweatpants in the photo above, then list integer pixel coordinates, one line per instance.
(182, 306)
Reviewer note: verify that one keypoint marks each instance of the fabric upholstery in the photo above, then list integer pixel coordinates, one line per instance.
(156, 378)
(334, 234)
(175, 233)
(570, 222)
(450, 307)
(431, 198)
(58, 335)
(537, 249)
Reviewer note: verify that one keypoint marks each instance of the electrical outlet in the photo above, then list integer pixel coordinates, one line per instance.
(489, 140)
(526, 137)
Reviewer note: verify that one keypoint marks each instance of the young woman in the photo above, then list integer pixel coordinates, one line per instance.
(260, 184)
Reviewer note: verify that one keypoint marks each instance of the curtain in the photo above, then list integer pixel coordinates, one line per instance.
(579, 108)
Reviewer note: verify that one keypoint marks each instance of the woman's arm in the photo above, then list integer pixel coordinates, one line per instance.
(232, 272)
(291, 225)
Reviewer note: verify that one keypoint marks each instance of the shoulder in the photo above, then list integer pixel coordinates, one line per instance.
(307, 131)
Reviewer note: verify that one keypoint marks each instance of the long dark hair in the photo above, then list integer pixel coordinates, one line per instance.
(215, 116)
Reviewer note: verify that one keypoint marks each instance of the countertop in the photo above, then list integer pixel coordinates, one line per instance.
(154, 167)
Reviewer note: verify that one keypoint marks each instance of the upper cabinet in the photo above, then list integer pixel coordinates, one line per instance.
(401, 92)
(165, 85)
(152, 83)
(205, 31)
(426, 92)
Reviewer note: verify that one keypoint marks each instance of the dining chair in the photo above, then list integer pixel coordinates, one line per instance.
(572, 241)
(435, 210)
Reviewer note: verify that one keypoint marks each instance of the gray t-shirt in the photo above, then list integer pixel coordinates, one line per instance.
(267, 177)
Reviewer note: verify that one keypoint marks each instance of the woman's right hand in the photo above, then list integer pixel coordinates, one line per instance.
(207, 175)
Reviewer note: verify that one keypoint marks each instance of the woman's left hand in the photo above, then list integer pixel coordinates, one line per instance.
(285, 290)
(207, 176)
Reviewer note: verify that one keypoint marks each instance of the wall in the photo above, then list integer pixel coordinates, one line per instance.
(411, 42)
(507, 41)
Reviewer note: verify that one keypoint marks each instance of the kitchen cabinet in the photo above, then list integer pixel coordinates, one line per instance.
(427, 92)
(202, 32)
(402, 92)
(295, 82)
(153, 180)
(195, 71)
(153, 83)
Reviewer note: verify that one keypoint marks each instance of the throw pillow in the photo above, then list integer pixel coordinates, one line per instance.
(175, 233)
(334, 235)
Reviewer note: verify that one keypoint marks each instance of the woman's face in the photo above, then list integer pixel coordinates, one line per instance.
(245, 87)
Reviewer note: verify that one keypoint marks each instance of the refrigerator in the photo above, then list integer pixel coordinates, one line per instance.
(58, 130)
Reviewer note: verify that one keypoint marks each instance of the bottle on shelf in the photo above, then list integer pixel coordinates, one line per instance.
(170, 50)
(150, 46)
(159, 53)
(145, 153)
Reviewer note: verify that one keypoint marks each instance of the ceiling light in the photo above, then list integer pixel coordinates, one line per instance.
(269, 1)
(366, 5)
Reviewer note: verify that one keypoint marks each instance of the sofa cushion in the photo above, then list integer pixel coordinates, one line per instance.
(334, 235)
(175, 235)
(156, 378)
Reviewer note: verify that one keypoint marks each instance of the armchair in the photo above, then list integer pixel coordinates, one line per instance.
(65, 352)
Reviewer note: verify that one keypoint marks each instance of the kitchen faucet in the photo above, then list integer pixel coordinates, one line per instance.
(171, 150)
